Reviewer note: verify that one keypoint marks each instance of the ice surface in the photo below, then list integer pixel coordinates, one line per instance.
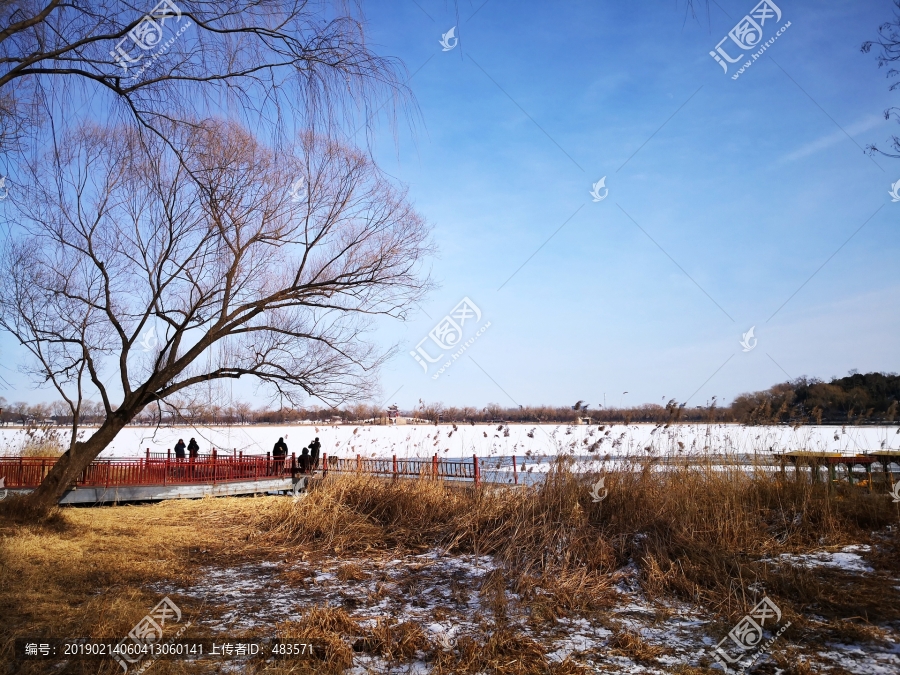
(348, 440)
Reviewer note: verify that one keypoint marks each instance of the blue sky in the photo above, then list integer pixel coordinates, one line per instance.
(726, 198)
(738, 192)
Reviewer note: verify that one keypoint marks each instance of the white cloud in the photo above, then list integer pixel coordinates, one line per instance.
(867, 123)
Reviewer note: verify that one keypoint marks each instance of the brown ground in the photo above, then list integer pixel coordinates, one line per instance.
(365, 569)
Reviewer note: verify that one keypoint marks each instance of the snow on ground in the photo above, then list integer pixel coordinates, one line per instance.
(847, 559)
(407, 441)
(851, 657)
(440, 593)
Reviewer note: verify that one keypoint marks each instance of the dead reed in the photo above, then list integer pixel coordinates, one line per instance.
(700, 533)
(708, 535)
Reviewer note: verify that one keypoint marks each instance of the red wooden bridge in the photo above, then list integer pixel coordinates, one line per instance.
(158, 476)
(435, 467)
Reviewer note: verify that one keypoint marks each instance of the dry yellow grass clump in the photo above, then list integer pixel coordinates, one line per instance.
(696, 533)
(703, 535)
(83, 572)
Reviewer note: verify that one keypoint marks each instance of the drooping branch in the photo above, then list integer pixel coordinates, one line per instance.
(157, 65)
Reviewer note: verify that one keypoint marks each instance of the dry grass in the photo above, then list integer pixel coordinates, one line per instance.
(41, 440)
(42, 449)
(84, 572)
(326, 628)
(684, 669)
(695, 534)
(351, 572)
(505, 652)
(630, 644)
(397, 641)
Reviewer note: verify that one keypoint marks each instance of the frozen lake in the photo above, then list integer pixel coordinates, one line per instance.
(487, 441)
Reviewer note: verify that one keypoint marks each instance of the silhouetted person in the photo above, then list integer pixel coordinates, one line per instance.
(193, 449)
(314, 448)
(305, 461)
(179, 449)
(280, 449)
(279, 452)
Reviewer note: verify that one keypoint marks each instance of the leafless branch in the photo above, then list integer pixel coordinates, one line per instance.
(119, 264)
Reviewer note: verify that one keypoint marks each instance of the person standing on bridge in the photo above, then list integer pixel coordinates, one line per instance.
(179, 449)
(193, 449)
(279, 454)
(305, 461)
(314, 448)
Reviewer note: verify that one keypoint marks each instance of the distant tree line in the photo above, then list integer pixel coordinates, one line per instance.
(241, 413)
(579, 413)
(870, 398)
(855, 399)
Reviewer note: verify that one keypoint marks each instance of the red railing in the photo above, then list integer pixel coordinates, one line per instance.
(426, 468)
(153, 469)
(28, 472)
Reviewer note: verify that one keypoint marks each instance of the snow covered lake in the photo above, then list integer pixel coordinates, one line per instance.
(423, 440)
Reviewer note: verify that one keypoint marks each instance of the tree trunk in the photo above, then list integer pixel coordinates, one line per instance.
(69, 467)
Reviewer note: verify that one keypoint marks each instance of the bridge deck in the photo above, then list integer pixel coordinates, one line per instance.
(153, 493)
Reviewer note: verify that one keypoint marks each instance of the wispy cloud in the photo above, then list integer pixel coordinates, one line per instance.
(865, 124)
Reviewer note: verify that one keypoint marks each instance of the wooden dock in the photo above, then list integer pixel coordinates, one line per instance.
(830, 462)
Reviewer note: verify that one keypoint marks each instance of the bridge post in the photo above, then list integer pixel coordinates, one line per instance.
(358, 464)
(515, 471)
(324, 464)
(434, 467)
(395, 467)
(214, 466)
(477, 470)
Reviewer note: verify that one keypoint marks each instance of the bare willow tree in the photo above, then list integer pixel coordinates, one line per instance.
(271, 62)
(126, 280)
